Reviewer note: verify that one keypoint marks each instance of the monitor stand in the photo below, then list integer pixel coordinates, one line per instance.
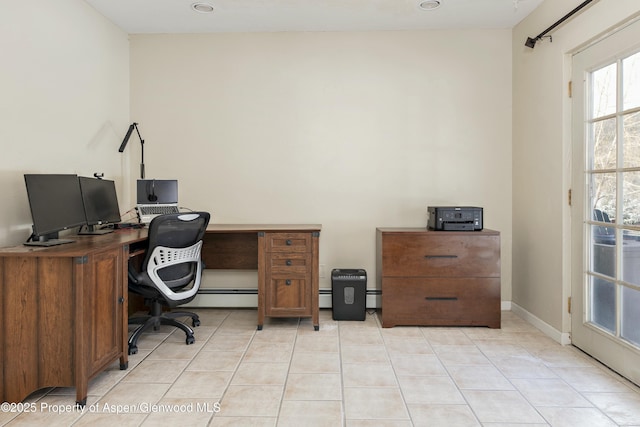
(90, 229)
(48, 242)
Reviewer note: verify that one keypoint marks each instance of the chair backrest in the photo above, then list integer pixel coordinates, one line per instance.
(180, 230)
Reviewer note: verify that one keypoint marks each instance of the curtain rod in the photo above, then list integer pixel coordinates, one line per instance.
(531, 42)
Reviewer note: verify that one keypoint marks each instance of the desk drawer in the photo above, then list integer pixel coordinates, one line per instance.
(441, 302)
(289, 263)
(288, 242)
(433, 255)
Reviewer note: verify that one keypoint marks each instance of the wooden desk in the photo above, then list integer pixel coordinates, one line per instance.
(63, 309)
(286, 257)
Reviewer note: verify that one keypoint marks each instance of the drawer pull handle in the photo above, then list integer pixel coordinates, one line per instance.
(287, 282)
(289, 262)
(288, 242)
(441, 298)
(440, 256)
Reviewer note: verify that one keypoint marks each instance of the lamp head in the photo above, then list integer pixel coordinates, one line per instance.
(126, 137)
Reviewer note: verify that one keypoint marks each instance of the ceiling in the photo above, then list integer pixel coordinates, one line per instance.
(177, 16)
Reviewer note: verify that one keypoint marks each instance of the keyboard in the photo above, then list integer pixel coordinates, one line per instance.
(147, 212)
(157, 210)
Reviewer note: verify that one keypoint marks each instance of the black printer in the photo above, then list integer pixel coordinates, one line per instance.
(455, 218)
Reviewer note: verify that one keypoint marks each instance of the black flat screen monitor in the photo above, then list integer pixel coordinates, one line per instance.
(56, 205)
(100, 204)
(161, 191)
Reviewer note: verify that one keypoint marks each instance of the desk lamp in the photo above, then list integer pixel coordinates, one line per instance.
(124, 144)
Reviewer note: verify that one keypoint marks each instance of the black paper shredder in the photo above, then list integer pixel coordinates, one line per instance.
(348, 293)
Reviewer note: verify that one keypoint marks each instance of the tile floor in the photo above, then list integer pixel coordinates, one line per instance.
(350, 373)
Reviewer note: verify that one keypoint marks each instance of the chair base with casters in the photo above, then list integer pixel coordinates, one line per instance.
(157, 317)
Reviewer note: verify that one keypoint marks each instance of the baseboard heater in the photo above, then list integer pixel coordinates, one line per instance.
(369, 292)
(222, 291)
(249, 291)
(248, 297)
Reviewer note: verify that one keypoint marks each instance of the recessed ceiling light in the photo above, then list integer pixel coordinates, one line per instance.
(429, 4)
(202, 7)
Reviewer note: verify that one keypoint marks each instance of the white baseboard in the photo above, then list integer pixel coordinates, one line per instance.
(563, 338)
(224, 301)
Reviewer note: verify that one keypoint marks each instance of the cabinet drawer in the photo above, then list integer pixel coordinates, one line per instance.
(288, 296)
(441, 302)
(433, 255)
(285, 263)
(288, 242)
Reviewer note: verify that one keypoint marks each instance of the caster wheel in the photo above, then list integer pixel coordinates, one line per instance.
(133, 349)
(195, 323)
(190, 340)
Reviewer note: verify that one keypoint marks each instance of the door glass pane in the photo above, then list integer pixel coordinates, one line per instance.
(631, 140)
(604, 91)
(603, 196)
(631, 198)
(603, 303)
(631, 81)
(631, 259)
(631, 315)
(604, 144)
(603, 251)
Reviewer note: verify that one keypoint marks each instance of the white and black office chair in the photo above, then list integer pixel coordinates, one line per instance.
(170, 272)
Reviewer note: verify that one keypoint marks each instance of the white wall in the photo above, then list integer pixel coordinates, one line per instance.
(64, 103)
(541, 152)
(349, 130)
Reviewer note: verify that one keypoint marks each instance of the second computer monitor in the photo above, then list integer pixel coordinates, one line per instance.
(100, 204)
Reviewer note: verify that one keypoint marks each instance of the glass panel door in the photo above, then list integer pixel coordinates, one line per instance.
(606, 215)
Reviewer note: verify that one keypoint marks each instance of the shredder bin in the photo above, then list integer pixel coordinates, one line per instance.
(348, 293)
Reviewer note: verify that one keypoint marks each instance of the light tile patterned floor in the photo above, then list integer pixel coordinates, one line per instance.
(350, 373)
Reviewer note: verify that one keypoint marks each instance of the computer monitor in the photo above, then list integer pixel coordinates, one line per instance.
(161, 191)
(100, 204)
(56, 205)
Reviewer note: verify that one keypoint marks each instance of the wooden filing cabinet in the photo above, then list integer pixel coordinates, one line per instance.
(288, 275)
(438, 278)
